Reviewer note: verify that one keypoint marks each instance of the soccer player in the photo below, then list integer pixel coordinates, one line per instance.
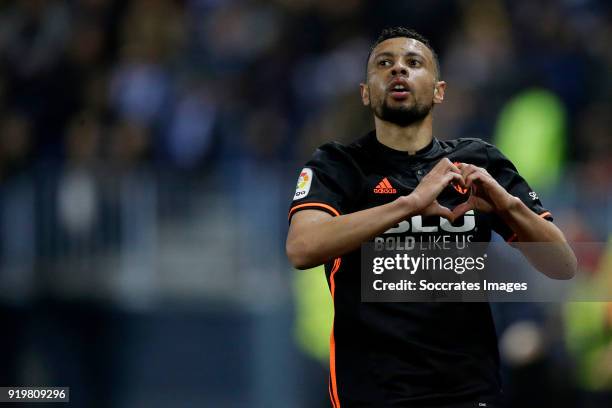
(411, 354)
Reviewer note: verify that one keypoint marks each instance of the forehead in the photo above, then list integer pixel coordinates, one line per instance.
(402, 46)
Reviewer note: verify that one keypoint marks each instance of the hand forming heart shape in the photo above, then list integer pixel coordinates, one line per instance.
(485, 193)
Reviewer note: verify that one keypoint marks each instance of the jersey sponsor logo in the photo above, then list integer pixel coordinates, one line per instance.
(303, 184)
(384, 187)
(461, 190)
(415, 225)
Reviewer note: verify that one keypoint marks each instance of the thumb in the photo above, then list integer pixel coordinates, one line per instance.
(462, 208)
(440, 210)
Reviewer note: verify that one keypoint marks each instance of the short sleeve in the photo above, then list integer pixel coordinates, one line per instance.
(506, 174)
(325, 183)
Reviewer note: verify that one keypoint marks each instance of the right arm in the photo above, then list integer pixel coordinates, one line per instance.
(315, 237)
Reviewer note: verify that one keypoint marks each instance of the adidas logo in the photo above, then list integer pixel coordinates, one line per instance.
(384, 187)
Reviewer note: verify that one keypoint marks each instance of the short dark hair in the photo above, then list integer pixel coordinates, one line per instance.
(395, 32)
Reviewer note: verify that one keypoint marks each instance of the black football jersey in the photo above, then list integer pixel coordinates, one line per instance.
(386, 354)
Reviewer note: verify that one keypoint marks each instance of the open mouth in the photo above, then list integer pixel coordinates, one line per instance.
(399, 91)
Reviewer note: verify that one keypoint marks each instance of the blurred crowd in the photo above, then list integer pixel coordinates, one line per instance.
(188, 82)
(118, 115)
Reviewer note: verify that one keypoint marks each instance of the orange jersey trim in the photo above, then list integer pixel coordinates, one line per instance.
(332, 342)
(514, 236)
(314, 206)
(331, 396)
(332, 369)
(333, 385)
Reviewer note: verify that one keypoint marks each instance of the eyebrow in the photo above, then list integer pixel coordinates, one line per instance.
(390, 54)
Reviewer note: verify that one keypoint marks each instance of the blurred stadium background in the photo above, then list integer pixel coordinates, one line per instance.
(148, 155)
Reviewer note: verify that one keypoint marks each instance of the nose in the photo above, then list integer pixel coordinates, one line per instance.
(399, 68)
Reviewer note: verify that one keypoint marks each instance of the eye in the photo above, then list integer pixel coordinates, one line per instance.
(414, 63)
(384, 63)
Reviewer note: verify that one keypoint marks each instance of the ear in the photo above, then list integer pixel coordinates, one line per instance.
(439, 89)
(365, 94)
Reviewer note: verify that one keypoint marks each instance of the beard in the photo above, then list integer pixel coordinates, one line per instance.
(402, 115)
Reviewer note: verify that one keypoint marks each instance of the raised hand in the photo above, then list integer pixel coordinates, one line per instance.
(486, 194)
(424, 196)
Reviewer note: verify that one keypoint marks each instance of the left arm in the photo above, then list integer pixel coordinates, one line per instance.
(487, 195)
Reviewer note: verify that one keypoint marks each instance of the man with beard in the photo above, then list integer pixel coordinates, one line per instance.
(434, 354)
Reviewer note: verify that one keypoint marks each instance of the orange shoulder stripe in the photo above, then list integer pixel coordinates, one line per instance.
(314, 206)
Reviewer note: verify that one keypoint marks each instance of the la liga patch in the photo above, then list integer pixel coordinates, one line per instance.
(303, 184)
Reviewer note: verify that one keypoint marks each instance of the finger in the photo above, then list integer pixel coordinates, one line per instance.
(463, 166)
(454, 178)
(475, 177)
(462, 208)
(453, 167)
(445, 212)
(469, 166)
(442, 164)
(459, 166)
(446, 164)
(467, 169)
(436, 209)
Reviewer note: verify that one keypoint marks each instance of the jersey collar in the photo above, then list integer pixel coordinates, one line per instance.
(432, 151)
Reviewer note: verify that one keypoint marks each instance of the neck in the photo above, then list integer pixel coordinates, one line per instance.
(411, 138)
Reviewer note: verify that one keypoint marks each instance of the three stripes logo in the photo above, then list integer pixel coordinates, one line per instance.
(384, 187)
